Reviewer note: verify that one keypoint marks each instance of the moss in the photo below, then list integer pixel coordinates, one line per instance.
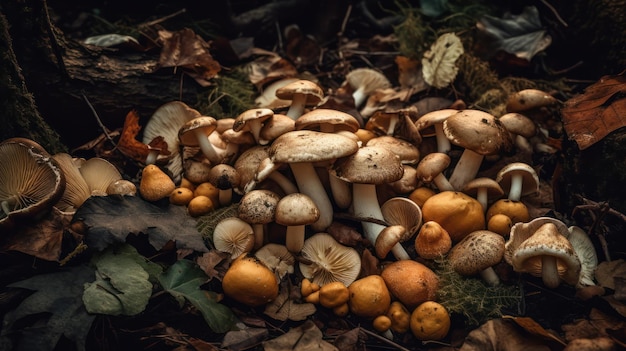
(471, 298)
(231, 94)
(206, 224)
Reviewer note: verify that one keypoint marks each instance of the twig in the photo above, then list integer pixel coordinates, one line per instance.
(556, 14)
(344, 23)
(105, 130)
(384, 339)
(56, 48)
(162, 19)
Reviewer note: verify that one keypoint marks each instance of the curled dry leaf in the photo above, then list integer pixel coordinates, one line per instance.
(284, 307)
(133, 148)
(438, 64)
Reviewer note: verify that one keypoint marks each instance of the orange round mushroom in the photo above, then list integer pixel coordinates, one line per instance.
(250, 282)
(458, 213)
(515, 210)
(430, 321)
(410, 282)
(369, 296)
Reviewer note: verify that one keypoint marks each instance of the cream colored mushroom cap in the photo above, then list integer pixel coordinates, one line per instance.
(296, 209)
(431, 166)
(313, 91)
(530, 183)
(254, 114)
(522, 231)
(407, 152)
(434, 117)
(369, 165)
(478, 131)
(339, 120)
(310, 146)
(494, 190)
(479, 250)
(329, 261)
(205, 123)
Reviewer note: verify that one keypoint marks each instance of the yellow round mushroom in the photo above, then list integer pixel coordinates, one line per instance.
(430, 321)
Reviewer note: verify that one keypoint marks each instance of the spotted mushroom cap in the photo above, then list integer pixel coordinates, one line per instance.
(369, 165)
(310, 146)
(477, 251)
(478, 131)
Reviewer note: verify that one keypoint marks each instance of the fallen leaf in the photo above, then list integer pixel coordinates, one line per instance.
(183, 280)
(534, 328)
(210, 260)
(521, 35)
(502, 335)
(348, 341)
(344, 234)
(601, 109)
(121, 287)
(189, 51)
(283, 307)
(269, 67)
(244, 339)
(607, 270)
(133, 148)
(54, 310)
(305, 337)
(110, 219)
(438, 63)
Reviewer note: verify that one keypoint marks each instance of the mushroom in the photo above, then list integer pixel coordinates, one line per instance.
(334, 294)
(268, 97)
(225, 178)
(324, 260)
(196, 133)
(407, 183)
(181, 196)
(480, 134)
(274, 127)
(518, 179)
(501, 224)
(403, 211)
(300, 149)
(234, 236)
(407, 152)
(435, 119)
(295, 211)
(252, 120)
(586, 253)
(196, 171)
(521, 128)
(98, 174)
(165, 122)
(302, 93)
(400, 317)
(200, 205)
(327, 121)
(432, 241)
(122, 187)
(410, 282)
(258, 207)
(477, 253)
(484, 189)
(388, 238)
(365, 81)
(541, 248)
(369, 296)
(430, 321)
(250, 282)
(247, 164)
(459, 214)
(155, 184)
(430, 169)
(369, 166)
(517, 211)
(76, 188)
(277, 258)
(528, 99)
(31, 181)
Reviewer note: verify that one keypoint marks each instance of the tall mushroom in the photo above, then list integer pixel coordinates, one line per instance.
(295, 211)
(431, 168)
(196, 133)
(518, 179)
(369, 166)
(302, 93)
(300, 149)
(480, 134)
(435, 119)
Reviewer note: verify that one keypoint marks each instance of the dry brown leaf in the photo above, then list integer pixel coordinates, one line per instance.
(211, 263)
(189, 51)
(244, 339)
(607, 270)
(283, 307)
(503, 335)
(305, 337)
(601, 109)
(531, 326)
(133, 148)
(269, 67)
(344, 234)
(410, 75)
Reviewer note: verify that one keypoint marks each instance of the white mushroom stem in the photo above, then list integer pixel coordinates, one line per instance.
(5, 207)
(549, 272)
(255, 129)
(340, 189)
(297, 106)
(365, 204)
(393, 121)
(283, 182)
(310, 184)
(442, 183)
(152, 157)
(359, 96)
(515, 192)
(443, 143)
(490, 277)
(294, 238)
(466, 169)
(207, 148)
(482, 196)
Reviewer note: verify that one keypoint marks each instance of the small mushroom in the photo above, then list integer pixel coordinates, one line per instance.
(122, 187)
(528, 99)
(247, 164)
(477, 253)
(586, 253)
(98, 174)
(369, 296)
(480, 134)
(234, 236)
(388, 238)
(432, 241)
(517, 211)
(258, 207)
(334, 294)
(541, 248)
(518, 179)
(155, 184)
(327, 121)
(196, 133)
(400, 317)
(252, 120)
(295, 211)
(324, 260)
(430, 321)
(225, 178)
(521, 128)
(365, 81)
(403, 211)
(76, 188)
(302, 93)
(484, 189)
(430, 169)
(435, 119)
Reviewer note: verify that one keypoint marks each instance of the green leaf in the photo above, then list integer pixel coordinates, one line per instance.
(183, 280)
(122, 285)
(58, 308)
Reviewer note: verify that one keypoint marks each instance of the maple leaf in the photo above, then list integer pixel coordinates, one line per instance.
(55, 309)
(438, 64)
(189, 51)
(133, 148)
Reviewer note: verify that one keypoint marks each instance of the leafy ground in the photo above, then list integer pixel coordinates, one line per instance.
(124, 273)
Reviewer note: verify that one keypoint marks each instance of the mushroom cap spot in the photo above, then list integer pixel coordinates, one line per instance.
(530, 179)
(313, 91)
(258, 206)
(547, 240)
(432, 165)
(31, 181)
(296, 209)
(329, 261)
(407, 152)
(478, 131)
(313, 119)
(205, 123)
(477, 251)
(410, 282)
(310, 146)
(458, 213)
(369, 165)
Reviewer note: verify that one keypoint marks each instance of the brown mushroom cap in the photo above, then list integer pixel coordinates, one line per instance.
(478, 131)
(458, 213)
(313, 92)
(387, 239)
(252, 120)
(327, 120)
(224, 176)
(186, 134)
(258, 206)
(410, 282)
(432, 241)
(296, 209)
(274, 127)
(310, 146)
(518, 124)
(477, 251)
(31, 181)
(407, 152)
(369, 165)
(521, 231)
(404, 212)
(325, 260)
(431, 165)
(484, 189)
